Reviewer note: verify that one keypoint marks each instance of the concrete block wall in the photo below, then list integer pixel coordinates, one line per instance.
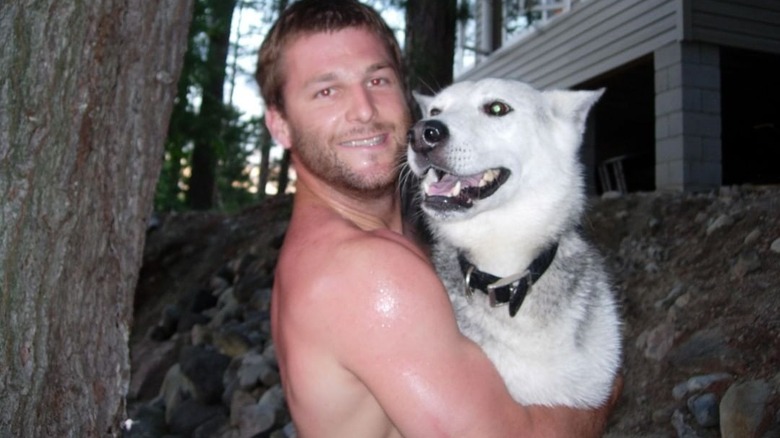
(687, 117)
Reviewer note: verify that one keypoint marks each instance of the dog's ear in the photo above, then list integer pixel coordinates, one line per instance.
(573, 105)
(423, 101)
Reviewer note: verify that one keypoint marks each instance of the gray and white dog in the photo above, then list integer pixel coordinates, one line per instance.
(502, 189)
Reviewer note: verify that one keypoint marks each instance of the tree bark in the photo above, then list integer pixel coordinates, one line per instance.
(430, 43)
(265, 143)
(86, 92)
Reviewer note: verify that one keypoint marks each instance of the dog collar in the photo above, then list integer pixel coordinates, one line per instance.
(507, 290)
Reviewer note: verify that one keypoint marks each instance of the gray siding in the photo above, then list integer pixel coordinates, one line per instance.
(600, 35)
(593, 38)
(744, 24)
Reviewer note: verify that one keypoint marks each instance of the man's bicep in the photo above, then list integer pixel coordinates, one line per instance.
(428, 378)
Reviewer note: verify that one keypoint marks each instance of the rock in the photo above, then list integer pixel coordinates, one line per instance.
(239, 401)
(698, 383)
(707, 346)
(169, 320)
(204, 367)
(261, 300)
(246, 286)
(273, 398)
(200, 335)
(230, 340)
(775, 246)
(175, 388)
(255, 419)
(663, 415)
(722, 221)
(681, 426)
(659, 341)
(191, 414)
(269, 354)
(288, 431)
(219, 283)
(742, 409)
(677, 290)
(150, 361)
(255, 369)
(201, 300)
(211, 427)
(228, 308)
(747, 262)
(148, 422)
(190, 319)
(704, 408)
(752, 237)
(716, 308)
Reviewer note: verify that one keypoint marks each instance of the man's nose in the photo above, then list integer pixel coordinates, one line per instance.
(362, 107)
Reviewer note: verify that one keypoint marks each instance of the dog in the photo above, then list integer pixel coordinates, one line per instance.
(502, 193)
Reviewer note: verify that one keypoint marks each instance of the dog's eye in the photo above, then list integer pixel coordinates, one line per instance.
(435, 111)
(497, 108)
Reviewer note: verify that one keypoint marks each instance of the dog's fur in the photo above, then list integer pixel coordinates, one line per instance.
(563, 345)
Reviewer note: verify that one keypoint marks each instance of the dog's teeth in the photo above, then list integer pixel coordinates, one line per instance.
(488, 177)
(455, 190)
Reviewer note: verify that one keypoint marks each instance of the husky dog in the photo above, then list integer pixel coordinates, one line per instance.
(502, 189)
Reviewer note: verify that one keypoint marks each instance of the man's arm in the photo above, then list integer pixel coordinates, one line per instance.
(403, 343)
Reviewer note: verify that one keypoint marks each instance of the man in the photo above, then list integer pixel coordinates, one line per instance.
(366, 338)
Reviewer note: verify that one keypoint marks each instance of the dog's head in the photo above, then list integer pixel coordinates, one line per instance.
(495, 142)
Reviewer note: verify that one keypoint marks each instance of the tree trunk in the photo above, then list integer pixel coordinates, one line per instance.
(211, 117)
(265, 143)
(430, 43)
(284, 173)
(85, 96)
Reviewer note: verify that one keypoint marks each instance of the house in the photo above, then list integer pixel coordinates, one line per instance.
(693, 86)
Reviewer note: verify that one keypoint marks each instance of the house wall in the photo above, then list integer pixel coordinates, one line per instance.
(744, 24)
(598, 38)
(593, 38)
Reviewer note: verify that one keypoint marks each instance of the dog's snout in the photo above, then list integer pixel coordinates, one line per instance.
(427, 134)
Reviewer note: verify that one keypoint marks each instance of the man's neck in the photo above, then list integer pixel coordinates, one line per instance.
(369, 212)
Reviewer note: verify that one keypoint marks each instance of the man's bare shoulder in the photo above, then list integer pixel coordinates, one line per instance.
(330, 260)
(327, 262)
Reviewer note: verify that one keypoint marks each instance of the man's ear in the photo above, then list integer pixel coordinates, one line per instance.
(278, 127)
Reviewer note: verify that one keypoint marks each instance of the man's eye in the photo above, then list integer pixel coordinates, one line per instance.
(325, 92)
(497, 108)
(378, 81)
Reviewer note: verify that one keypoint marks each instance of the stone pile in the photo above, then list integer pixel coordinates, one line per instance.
(210, 362)
(700, 279)
(698, 276)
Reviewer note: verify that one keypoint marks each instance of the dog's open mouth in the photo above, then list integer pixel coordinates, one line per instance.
(445, 191)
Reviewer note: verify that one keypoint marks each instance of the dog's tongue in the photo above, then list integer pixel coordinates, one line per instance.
(444, 186)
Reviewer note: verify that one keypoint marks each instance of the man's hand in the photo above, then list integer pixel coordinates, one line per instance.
(581, 423)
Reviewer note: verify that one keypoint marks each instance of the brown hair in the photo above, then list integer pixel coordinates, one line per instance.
(306, 17)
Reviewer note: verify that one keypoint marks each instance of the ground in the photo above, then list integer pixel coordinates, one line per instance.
(698, 282)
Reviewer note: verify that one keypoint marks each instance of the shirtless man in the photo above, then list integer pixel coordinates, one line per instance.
(366, 338)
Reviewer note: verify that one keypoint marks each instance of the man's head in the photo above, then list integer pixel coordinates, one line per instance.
(306, 17)
(330, 71)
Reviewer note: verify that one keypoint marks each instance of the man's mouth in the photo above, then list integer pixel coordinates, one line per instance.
(365, 142)
(445, 191)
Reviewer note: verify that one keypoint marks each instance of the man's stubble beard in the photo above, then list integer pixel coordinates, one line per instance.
(315, 154)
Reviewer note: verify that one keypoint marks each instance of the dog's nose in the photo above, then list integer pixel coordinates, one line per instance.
(427, 134)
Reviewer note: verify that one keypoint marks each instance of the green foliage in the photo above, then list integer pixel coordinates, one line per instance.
(229, 135)
(234, 187)
(518, 17)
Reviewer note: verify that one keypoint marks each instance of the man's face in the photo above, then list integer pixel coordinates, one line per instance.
(345, 113)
